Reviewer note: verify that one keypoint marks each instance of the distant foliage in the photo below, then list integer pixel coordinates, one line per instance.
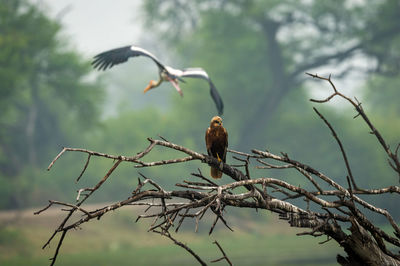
(45, 96)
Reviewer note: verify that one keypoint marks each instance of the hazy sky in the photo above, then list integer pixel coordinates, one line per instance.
(97, 25)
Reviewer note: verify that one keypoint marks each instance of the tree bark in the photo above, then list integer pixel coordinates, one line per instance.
(281, 84)
(362, 249)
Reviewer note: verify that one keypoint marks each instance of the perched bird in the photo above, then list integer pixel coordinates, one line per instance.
(217, 143)
(117, 56)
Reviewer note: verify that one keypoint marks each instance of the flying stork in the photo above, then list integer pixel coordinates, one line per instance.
(120, 55)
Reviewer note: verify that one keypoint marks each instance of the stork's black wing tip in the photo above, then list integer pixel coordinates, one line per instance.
(98, 62)
(220, 110)
(217, 98)
(108, 59)
(220, 107)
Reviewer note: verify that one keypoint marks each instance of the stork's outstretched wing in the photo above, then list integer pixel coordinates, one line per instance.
(201, 73)
(120, 55)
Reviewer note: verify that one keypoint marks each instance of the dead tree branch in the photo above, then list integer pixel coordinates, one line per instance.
(331, 206)
(224, 257)
(394, 160)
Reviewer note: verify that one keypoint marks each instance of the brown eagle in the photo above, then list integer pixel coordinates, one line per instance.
(217, 143)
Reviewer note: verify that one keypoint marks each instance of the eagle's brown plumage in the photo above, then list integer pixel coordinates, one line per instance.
(217, 143)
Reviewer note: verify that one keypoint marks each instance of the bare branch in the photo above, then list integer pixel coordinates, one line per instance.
(223, 253)
(357, 105)
(176, 242)
(341, 149)
(181, 160)
(84, 168)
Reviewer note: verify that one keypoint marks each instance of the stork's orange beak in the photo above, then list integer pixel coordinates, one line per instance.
(149, 87)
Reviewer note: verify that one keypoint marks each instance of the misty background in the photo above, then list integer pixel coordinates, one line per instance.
(256, 53)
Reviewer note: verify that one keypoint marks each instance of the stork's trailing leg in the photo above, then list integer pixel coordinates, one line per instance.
(176, 85)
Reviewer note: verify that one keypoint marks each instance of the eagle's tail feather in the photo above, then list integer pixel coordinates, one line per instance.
(215, 173)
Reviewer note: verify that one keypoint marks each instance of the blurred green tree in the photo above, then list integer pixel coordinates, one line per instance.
(46, 94)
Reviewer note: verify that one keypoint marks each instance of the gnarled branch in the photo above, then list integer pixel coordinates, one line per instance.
(330, 205)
